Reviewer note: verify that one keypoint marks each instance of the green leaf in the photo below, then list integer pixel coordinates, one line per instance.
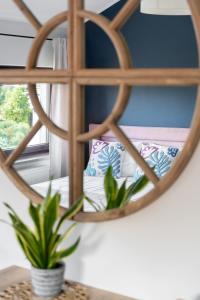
(28, 255)
(51, 215)
(27, 238)
(71, 212)
(95, 205)
(135, 188)
(16, 216)
(140, 184)
(34, 213)
(120, 195)
(58, 239)
(58, 256)
(110, 187)
(32, 260)
(40, 245)
(47, 199)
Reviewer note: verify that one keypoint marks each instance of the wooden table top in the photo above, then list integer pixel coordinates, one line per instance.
(15, 275)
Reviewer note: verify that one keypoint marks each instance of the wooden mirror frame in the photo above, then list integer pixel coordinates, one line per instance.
(77, 76)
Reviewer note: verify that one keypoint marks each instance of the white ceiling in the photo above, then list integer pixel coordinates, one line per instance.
(45, 9)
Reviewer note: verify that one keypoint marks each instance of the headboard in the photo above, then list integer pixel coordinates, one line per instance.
(160, 135)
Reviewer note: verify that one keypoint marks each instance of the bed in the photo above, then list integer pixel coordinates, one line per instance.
(93, 186)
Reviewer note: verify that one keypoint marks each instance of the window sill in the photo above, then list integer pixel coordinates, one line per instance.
(32, 161)
(32, 150)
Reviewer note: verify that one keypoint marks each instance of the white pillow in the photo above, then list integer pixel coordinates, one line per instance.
(103, 154)
(158, 156)
(129, 165)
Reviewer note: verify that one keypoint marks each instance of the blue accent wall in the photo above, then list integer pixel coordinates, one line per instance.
(154, 41)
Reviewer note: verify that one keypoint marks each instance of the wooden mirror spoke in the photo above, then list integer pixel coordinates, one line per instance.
(134, 153)
(2, 158)
(76, 122)
(16, 76)
(20, 149)
(195, 9)
(28, 14)
(140, 77)
(128, 77)
(128, 9)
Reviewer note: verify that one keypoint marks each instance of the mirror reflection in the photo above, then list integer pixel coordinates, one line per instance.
(157, 120)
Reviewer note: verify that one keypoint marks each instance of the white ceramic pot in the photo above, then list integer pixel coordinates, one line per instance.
(48, 283)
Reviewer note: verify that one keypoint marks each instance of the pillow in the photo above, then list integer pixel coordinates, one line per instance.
(129, 165)
(103, 154)
(158, 156)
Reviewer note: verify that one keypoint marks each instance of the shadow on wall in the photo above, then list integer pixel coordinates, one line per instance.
(88, 246)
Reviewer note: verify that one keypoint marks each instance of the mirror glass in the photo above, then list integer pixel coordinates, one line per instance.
(157, 120)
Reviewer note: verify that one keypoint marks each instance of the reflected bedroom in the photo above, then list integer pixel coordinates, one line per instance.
(99, 118)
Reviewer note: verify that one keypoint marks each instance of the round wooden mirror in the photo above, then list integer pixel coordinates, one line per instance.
(124, 78)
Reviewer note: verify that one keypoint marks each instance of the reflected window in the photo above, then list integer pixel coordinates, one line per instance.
(17, 117)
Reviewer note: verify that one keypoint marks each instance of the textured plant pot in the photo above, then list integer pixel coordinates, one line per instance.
(47, 283)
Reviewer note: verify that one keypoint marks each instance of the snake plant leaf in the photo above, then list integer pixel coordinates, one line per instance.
(97, 207)
(51, 215)
(120, 195)
(34, 213)
(20, 227)
(71, 212)
(110, 187)
(140, 184)
(137, 186)
(59, 238)
(40, 244)
(27, 253)
(58, 256)
(47, 199)
(23, 246)
(25, 233)
(28, 240)
(17, 218)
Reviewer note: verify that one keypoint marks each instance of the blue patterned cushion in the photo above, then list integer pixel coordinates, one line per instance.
(158, 156)
(103, 154)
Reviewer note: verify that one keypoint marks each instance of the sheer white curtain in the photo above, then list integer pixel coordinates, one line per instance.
(59, 113)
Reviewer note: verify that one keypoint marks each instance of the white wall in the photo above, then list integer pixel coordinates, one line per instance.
(152, 255)
(14, 52)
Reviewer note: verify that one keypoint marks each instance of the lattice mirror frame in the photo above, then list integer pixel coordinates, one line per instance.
(77, 76)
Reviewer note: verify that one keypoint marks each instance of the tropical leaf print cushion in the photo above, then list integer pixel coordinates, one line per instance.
(103, 155)
(157, 156)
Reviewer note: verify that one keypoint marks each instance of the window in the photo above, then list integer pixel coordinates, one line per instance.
(17, 118)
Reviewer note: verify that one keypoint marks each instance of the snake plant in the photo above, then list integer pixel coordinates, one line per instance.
(117, 197)
(41, 244)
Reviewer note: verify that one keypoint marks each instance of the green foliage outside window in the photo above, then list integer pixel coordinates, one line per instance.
(15, 115)
(2, 94)
(16, 106)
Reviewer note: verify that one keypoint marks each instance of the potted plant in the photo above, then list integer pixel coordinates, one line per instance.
(117, 197)
(41, 244)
